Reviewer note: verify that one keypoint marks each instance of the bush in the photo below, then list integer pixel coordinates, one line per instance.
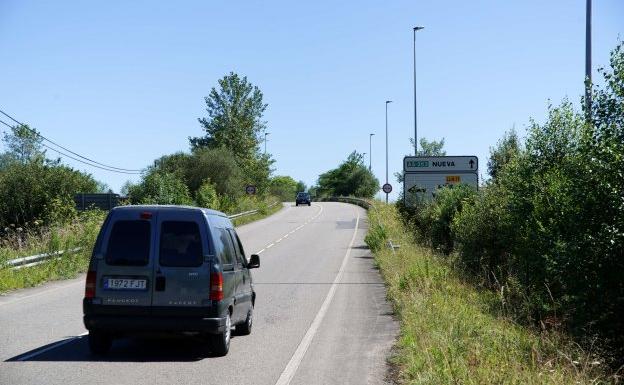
(160, 188)
(550, 224)
(207, 196)
(28, 189)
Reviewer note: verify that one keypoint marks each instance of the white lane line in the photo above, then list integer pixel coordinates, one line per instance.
(51, 347)
(41, 293)
(292, 366)
(292, 231)
(260, 252)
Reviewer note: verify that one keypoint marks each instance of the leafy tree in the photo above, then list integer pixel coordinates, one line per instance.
(352, 177)
(160, 188)
(26, 189)
(234, 119)
(505, 150)
(283, 187)
(301, 186)
(23, 143)
(427, 148)
(235, 123)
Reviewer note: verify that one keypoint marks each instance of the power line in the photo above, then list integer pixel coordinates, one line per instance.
(76, 159)
(68, 150)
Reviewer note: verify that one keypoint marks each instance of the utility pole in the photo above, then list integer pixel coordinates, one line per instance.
(387, 102)
(415, 114)
(370, 152)
(588, 66)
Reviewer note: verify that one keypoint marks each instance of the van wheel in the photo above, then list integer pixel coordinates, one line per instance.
(245, 328)
(100, 342)
(221, 342)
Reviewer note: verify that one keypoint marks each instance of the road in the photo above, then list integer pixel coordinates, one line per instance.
(321, 317)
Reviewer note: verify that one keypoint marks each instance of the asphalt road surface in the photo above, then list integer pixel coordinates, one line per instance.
(320, 318)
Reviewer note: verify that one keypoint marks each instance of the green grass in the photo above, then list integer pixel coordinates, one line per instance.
(80, 233)
(452, 333)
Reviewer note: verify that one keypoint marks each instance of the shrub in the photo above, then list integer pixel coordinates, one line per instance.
(207, 196)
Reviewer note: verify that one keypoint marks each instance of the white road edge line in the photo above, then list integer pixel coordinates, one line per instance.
(292, 366)
(260, 252)
(271, 245)
(53, 346)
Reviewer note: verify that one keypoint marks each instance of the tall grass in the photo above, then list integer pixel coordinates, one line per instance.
(453, 333)
(80, 233)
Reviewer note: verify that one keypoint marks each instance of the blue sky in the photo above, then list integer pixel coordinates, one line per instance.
(123, 82)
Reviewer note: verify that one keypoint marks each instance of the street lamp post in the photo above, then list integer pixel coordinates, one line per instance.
(387, 102)
(265, 140)
(415, 115)
(370, 151)
(588, 76)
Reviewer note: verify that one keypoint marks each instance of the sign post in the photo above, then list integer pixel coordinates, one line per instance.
(423, 175)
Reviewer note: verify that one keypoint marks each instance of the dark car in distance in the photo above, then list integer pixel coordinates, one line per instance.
(303, 198)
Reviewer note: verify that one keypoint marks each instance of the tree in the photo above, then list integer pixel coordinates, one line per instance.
(234, 119)
(160, 188)
(283, 187)
(301, 186)
(24, 144)
(352, 177)
(506, 149)
(427, 148)
(235, 123)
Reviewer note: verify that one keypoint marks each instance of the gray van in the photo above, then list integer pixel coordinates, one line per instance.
(168, 269)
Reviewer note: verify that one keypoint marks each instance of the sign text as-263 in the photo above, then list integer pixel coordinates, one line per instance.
(417, 163)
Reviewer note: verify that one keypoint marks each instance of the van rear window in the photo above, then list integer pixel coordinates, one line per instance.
(180, 244)
(129, 244)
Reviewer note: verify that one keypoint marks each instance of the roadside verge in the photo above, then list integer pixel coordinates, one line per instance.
(453, 333)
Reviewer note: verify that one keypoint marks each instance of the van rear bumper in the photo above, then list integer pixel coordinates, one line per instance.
(145, 319)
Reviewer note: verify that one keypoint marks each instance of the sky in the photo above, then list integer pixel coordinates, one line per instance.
(124, 82)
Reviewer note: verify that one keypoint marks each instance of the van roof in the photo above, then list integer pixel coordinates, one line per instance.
(169, 207)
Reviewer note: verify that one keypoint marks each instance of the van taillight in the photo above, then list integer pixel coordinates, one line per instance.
(90, 284)
(146, 215)
(216, 286)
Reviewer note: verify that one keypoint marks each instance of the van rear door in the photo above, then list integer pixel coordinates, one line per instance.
(124, 267)
(181, 272)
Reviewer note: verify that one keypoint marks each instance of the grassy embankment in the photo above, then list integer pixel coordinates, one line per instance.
(80, 233)
(453, 333)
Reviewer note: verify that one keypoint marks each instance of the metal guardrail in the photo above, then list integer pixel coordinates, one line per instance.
(356, 201)
(19, 263)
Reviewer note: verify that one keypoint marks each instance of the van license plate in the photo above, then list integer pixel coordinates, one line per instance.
(125, 284)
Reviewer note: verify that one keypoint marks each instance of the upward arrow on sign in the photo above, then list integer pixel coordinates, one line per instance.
(471, 163)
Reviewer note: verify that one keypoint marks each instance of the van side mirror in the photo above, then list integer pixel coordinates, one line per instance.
(254, 261)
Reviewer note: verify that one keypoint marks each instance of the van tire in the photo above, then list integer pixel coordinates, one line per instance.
(100, 342)
(244, 329)
(220, 343)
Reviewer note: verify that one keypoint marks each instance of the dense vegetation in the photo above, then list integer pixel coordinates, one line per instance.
(35, 190)
(454, 333)
(350, 178)
(547, 230)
